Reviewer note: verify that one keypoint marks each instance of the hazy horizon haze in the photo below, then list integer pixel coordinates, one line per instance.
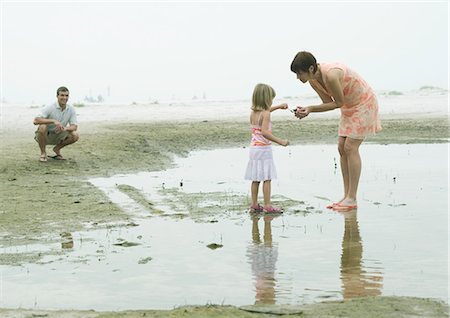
(155, 50)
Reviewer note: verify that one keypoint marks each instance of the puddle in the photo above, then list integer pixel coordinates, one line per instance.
(192, 241)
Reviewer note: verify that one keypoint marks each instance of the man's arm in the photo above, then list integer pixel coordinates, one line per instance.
(44, 121)
(44, 117)
(71, 128)
(48, 121)
(73, 121)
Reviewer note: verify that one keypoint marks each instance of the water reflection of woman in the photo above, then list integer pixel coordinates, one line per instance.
(357, 280)
(262, 257)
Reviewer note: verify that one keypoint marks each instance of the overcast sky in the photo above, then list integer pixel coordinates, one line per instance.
(159, 50)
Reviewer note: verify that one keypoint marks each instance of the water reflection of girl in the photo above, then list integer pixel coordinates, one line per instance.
(357, 280)
(262, 257)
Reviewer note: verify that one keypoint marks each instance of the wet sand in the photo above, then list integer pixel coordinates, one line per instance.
(41, 201)
(369, 307)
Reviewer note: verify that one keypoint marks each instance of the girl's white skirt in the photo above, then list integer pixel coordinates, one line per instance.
(260, 165)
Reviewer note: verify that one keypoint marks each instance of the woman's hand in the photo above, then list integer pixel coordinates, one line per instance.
(285, 143)
(302, 112)
(284, 106)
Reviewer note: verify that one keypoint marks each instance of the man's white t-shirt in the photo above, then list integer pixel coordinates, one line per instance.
(53, 111)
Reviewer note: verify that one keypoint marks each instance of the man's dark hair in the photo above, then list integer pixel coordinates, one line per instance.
(302, 61)
(61, 89)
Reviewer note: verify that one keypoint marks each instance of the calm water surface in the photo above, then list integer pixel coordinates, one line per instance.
(395, 244)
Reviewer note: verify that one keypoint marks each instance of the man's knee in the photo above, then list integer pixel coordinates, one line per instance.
(42, 129)
(41, 134)
(74, 136)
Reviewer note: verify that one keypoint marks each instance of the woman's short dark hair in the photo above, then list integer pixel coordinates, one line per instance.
(61, 89)
(302, 61)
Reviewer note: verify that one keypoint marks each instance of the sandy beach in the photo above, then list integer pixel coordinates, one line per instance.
(151, 213)
(41, 201)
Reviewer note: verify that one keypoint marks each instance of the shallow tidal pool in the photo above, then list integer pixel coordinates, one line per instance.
(191, 240)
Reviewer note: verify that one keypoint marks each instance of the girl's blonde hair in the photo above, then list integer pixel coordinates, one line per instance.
(263, 96)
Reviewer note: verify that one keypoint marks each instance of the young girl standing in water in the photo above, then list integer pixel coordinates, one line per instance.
(261, 166)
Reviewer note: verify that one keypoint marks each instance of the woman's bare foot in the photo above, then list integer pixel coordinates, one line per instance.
(331, 206)
(346, 205)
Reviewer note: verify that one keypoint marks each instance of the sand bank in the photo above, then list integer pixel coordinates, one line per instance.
(40, 201)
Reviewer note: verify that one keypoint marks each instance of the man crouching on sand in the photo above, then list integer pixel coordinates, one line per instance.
(57, 125)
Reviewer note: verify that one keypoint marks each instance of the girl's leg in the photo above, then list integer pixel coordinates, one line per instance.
(255, 188)
(344, 165)
(266, 192)
(351, 149)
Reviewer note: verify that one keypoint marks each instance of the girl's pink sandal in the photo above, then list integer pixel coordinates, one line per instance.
(255, 208)
(271, 209)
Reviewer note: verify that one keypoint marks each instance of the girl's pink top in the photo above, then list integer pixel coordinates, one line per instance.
(258, 140)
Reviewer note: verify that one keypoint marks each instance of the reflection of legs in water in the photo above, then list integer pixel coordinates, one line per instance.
(255, 230)
(268, 230)
(356, 282)
(262, 258)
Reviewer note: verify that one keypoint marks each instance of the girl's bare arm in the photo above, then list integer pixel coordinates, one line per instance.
(281, 106)
(267, 134)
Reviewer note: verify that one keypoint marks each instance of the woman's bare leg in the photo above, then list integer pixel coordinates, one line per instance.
(344, 166)
(351, 149)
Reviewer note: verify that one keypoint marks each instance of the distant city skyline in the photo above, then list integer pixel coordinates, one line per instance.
(143, 51)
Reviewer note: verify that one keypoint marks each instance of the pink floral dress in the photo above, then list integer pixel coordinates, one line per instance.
(359, 114)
